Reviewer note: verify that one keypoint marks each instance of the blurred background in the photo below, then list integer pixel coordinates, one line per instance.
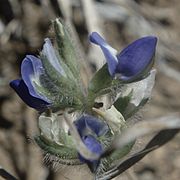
(23, 26)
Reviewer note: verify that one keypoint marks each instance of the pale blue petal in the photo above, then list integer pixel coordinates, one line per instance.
(109, 52)
(49, 52)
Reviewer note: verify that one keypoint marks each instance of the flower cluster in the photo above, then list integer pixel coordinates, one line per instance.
(72, 125)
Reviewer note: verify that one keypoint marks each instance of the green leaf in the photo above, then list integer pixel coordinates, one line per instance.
(101, 80)
(66, 48)
(126, 108)
(62, 90)
(132, 109)
(62, 96)
(55, 77)
(121, 103)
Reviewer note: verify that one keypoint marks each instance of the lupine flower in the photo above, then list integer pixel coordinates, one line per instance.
(46, 81)
(31, 69)
(132, 61)
(54, 82)
(90, 128)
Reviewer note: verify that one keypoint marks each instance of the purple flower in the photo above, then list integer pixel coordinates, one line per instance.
(90, 128)
(31, 69)
(132, 61)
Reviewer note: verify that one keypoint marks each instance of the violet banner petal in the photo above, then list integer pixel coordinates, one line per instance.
(22, 90)
(136, 57)
(109, 52)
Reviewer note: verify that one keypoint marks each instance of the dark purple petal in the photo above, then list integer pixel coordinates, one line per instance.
(31, 69)
(109, 52)
(22, 90)
(136, 57)
(90, 125)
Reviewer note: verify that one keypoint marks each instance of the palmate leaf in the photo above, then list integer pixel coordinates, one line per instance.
(167, 128)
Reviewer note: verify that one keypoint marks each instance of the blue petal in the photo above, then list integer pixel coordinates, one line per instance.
(109, 52)
(49, 52)
(89, 125)
(22, 90)
(31, 69)
(94, 146)
(136, 57)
